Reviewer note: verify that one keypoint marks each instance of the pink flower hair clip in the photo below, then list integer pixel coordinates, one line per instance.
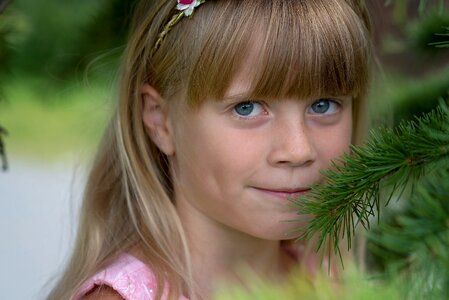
(186, 8)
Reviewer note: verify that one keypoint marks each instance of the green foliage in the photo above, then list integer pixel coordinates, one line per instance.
(352, 286)
(5, 50)
(404, 98)
(351, 195)
(423, 5)
(57, 39)
(46, 33)
(401, 8)
(416, 240)
(445, 42)
(428, 32)
(420, 96)
(415, 38)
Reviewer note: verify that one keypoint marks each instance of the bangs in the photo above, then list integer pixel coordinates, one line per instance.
(291, 49)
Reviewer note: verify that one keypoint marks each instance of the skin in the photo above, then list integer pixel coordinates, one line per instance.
(233, 171)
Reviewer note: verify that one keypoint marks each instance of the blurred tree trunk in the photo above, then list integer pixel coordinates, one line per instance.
(3, 4)
(4, 163)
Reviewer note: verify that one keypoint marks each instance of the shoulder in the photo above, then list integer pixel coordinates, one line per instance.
(126, 278)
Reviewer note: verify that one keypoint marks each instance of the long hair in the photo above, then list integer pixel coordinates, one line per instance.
(306, 48)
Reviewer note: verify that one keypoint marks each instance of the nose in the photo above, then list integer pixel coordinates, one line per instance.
(292, 146)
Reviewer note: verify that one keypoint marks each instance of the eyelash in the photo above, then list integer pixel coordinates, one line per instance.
(330, 101)
(236, 115)
(249, 102)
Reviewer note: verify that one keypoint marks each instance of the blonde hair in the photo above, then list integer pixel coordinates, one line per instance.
(309, 48)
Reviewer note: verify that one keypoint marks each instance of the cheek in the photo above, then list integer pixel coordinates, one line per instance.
(230, 161)
(214, 153)
(336, 141)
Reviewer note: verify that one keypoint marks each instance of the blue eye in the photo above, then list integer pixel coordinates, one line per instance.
(248, 109)
(324, 106)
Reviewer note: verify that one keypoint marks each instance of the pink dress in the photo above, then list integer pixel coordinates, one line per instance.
(128, 276)
(134, 280)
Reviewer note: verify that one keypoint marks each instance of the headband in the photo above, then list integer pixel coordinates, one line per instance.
(185, 8)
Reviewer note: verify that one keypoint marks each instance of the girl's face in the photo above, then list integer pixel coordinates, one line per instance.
(237, 161)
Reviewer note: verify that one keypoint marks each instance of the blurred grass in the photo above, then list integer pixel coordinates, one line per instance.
(53, 122)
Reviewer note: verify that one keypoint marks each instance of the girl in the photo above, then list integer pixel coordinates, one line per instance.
(227, 108)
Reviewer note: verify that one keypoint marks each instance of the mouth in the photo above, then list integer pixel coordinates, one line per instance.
(284, 193)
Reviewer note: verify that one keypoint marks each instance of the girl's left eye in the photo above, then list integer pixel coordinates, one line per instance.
(248, 109)
(324, 106)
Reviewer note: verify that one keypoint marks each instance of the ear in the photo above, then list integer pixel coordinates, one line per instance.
(156, 119)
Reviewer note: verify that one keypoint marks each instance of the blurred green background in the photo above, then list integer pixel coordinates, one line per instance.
(58, 71)
(58, 61)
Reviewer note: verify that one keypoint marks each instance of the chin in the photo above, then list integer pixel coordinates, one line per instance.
(282, 231)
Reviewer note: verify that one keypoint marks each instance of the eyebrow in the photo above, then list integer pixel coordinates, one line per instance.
(237, 96)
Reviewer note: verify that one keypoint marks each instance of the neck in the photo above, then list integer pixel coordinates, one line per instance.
(219, 253)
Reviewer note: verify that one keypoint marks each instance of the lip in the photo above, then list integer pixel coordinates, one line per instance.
(284, 193)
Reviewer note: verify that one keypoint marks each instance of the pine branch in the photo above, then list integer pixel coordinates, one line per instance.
(351, 195)
(442, 44)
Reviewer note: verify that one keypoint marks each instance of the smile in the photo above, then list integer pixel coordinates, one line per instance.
(284, 193)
